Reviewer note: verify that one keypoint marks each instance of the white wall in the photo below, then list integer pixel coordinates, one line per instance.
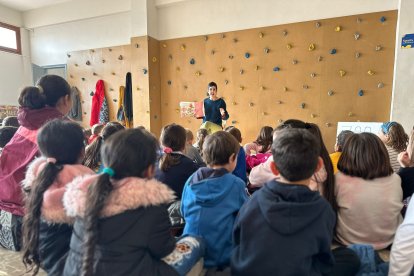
(15, 70)
(402, 109)
(198, 17)
(73, 11)
(50, 44)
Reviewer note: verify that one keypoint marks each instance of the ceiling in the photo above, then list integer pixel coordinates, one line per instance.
(25, 5)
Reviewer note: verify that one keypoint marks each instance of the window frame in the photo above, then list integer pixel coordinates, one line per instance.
(18, 39)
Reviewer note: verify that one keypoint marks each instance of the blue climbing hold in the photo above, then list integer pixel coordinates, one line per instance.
(145, 71)
(383, 19)
(276, 69)
(192, 61)
(247, 55)
(361, 93)
(333, 51)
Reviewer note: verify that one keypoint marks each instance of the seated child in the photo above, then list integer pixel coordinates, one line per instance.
(96, 129)
(191, 151)
(395, 140)
(240, 170)
(46, 228)
(201, 136)
(339, 145)
(121, 220)
(368, 193)
(174, 167)
(406, 172)
(212, 198)
(92, 157)
(286, 228)
(263, 142)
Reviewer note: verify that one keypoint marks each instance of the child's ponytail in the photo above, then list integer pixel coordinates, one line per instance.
(32, 97)
(97, 195)
(31, 221)
(173, 138)
(92, 158)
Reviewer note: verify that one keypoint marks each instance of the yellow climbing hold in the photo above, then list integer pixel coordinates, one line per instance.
(311, 47)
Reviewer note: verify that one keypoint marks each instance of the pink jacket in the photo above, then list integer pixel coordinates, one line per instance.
(262, 174)
(52, 208)
(17, 155)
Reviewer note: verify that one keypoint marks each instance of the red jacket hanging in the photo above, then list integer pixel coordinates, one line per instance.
(99, 105)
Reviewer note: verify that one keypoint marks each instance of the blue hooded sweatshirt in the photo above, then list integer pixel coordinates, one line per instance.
(210, 203)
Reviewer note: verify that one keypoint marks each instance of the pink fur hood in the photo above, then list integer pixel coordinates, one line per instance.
(129, 193)
(52, 208)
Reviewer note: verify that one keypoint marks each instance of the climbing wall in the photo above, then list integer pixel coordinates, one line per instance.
(85, 68)
(322, 71)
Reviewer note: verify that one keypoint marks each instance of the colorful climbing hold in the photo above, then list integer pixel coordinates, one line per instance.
(311, 47)
(247, 55)
(361, 93)
(276, 69)
(383, 19)
(332, 51)
(192, 61)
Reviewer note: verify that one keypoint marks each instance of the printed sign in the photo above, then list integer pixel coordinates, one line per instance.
(359, 127)
(407, 41)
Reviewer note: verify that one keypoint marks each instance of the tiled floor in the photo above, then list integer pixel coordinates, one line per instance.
(11, 264)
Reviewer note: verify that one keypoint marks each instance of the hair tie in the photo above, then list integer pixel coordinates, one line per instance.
(168, 150)
(108, 171)
(385, 127)
(51, 160)
(40, 89)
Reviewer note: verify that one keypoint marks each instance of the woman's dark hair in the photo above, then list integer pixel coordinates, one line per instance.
(129, 153)
(62, 140)
(265, 138)
(172, 136)
(212, 84)
(92, 157)
(364, 155)
(48, 91)
(328, 185)
(32, 97)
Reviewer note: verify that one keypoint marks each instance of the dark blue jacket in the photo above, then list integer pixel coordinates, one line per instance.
(212, 111)
(283, 230)
(210, 203)
(176, 176)
(240, 170)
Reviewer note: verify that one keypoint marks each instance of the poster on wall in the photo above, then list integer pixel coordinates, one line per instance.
(358, 127)
(192, 109)
(407, 41)
(8, 110)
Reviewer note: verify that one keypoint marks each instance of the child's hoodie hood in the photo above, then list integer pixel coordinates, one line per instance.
(206, 187)
(128, 193)
(35, 118)
(52, 207)
(289, 208)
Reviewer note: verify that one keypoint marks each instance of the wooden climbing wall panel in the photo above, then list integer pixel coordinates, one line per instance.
(257, 94)
(85, 68)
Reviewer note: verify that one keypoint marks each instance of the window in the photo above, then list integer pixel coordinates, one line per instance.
(10, 38)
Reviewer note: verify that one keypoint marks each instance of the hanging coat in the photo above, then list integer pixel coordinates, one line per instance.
(120, 115)
(128, 101)
(76, 111)
(99, 112)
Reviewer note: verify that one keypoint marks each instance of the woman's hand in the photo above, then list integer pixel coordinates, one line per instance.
(222, 112)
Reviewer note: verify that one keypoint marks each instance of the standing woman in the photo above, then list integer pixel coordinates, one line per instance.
(50, 99)
(214, 108)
